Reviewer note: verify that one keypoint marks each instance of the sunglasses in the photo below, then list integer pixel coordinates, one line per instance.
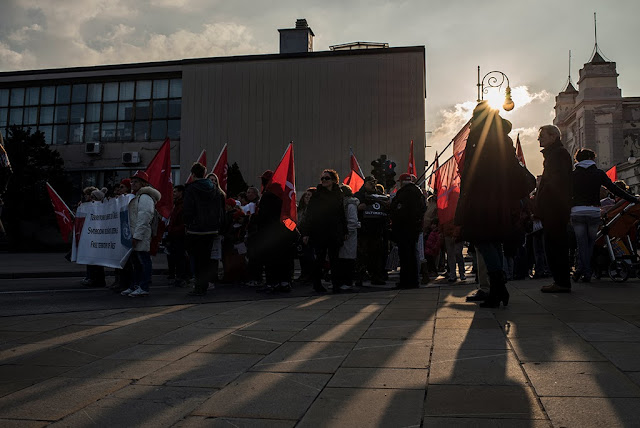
(325, 178)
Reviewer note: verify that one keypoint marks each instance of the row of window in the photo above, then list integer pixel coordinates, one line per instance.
(91, 112)
(91, 92)
(108, 131)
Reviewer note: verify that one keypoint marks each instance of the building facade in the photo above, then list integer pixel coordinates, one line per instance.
(108, 121)
(596, 116)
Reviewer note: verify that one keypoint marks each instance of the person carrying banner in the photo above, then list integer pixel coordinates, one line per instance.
(407, 212)
(203, 217)
(141, 212)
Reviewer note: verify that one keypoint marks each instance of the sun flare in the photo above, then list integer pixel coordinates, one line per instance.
(495, 99)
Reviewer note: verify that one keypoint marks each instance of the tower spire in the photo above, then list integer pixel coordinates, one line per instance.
(597, 56)
(569, 85)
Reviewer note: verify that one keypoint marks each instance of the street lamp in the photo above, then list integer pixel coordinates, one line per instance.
(495, 79)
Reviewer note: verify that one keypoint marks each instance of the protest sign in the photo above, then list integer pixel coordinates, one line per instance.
(101, 234)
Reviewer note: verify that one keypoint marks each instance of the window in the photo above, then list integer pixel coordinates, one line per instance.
(17, 97)
(33, 97)
(63, 94)
(175, 90)
(3, 117)
(175, 107)
(125, 111)
(93, 112)
(31, 116)
(79, 93)
(46, 114)
(60, 133)
(141, 131)
(110, 91)
(15, 116)
(48, 95)
(143, 90)
(108, 132)
(4, 97)
(158, 129)
(160, 88)
(94, 92)
(174, 129)
(92, 132)
(77, 113)
(160, 109)
(126, 90)
(76, 133)
(47, 130)
(109, 111)
(142, 110)
(62, 114)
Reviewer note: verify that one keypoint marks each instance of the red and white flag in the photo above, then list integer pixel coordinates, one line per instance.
(519, 153)
(355, 179)
(159, 171)
(221, 168)
(203, 160)
(460, 144)
(411, 168)
(284, 175)
(448, 191)
(63, 213)
(613, 173)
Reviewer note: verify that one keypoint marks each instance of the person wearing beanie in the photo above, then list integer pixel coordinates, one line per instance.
(95, 274)
(98, 195)
(123, 188)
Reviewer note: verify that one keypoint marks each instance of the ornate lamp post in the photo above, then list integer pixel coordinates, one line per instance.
(495, 79)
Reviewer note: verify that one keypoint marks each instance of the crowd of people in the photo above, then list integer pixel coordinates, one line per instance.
(512, 225)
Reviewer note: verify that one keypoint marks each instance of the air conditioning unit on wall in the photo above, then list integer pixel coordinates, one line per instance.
(92, 148)
(131, 157)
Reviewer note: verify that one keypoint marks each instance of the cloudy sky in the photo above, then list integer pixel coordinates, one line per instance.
(529, 41)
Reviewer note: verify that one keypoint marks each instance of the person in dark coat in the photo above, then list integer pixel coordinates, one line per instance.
(177, 256)
(585, 213)
(553, 206)
(407, 212)
(204, 215)
(325, 226)
(490, 188)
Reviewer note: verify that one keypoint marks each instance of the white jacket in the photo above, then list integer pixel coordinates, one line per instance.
(349, 249)
(141, 209)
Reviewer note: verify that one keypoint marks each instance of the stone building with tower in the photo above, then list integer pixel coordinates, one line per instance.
(596, 116)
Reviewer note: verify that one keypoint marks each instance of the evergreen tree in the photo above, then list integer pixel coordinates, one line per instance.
(235, 181)
(27, 211)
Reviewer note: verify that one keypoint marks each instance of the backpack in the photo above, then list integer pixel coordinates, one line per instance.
(155, 223)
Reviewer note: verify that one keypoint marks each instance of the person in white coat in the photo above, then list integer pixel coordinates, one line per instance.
(141, 213)
(349, 250)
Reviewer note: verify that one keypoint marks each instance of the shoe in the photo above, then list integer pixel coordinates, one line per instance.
(211, 286)
(284, 287)
(86, 282)
(346, 288)
(463, 278)
(452, 280)
(576, 276)
(128, 291)
(319, 288)
(196, 293)
(253, 283)
(554, 288)
(478, 296)
(139, 292)
(492, 302)
(497, 292)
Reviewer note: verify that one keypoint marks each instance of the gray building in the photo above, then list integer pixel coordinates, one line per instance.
(108, 121)
(596, 116)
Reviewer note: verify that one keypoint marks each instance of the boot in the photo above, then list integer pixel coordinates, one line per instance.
(497, 291)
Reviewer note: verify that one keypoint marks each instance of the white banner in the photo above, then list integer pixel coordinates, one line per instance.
(101, 234)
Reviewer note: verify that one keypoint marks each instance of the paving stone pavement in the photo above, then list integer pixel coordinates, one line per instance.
(391, 358)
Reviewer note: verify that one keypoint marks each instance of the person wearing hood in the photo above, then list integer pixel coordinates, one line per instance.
(585, 212)
(203, 214)
(552, 206)
(141, 212)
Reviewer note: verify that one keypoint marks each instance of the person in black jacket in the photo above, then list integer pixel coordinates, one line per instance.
(325, 227)
(585, 213)
(553, 206)
(204, 215)
(407, 211)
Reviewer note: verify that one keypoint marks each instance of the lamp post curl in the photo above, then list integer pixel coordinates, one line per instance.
(495, 79)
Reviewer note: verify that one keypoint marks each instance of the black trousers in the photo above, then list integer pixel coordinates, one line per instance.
(320, 254)
(199, 248)
(556, 247)
(370, 256)
(408, 260)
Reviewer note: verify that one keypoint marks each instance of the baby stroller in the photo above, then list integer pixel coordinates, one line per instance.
(616, 245)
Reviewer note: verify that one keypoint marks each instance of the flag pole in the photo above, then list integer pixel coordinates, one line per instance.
(61, 200)
(219, 156)
(359, 167)
(436, 170)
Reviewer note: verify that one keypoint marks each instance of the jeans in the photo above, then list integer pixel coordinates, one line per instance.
(454, 256)
(141, 263)
(586, 229)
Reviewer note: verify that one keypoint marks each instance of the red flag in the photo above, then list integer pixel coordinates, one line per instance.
(203, 160)
(448, 191)
(159, 171)
(63, 213)
(519, 153)
(355, 179)
(221, 168)
(435, 174)
(284, 175)
(613, 173)
(460, 144)
(411, 169)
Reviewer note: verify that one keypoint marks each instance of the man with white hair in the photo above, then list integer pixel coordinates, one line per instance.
(407, 210)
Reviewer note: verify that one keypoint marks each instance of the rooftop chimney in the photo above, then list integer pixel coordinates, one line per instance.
(296, 40)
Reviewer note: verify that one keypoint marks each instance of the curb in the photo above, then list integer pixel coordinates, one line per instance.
(74, 274)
